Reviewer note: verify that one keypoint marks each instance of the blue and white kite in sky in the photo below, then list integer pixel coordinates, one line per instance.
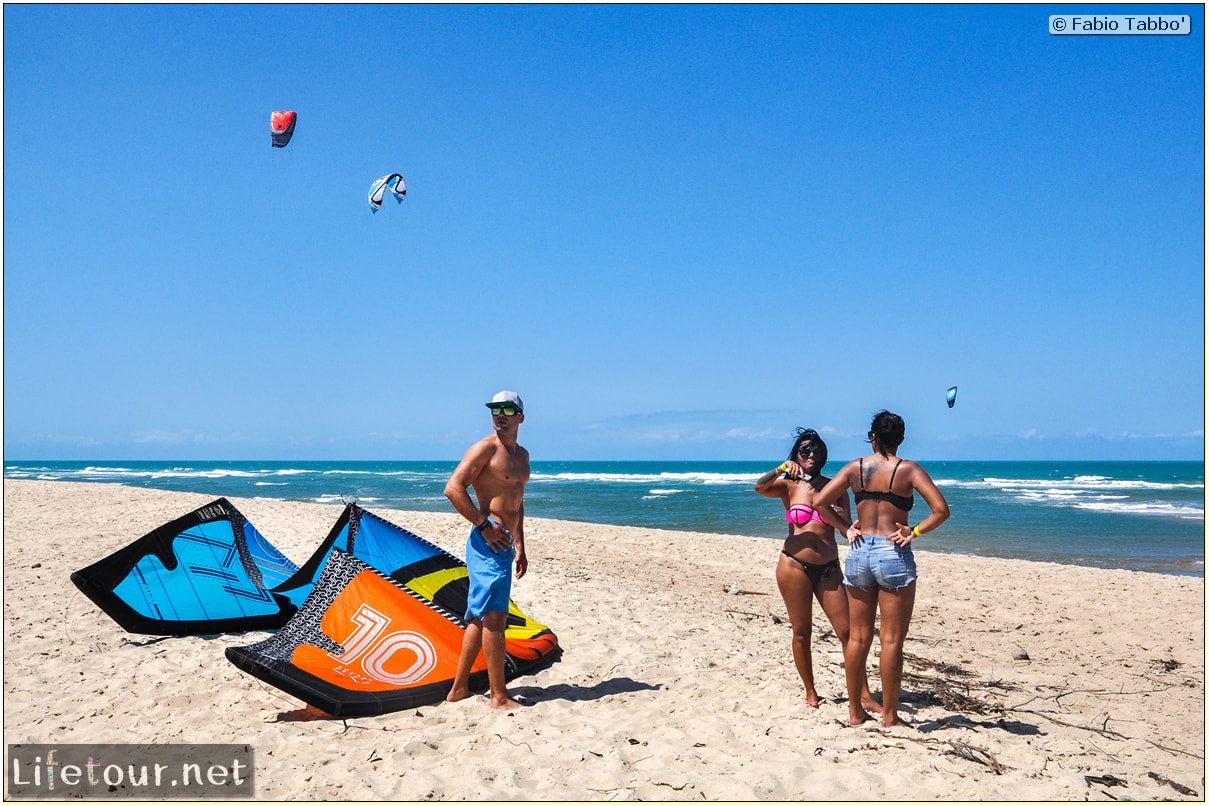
(377, 191)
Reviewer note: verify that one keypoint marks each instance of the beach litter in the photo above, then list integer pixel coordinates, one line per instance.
(734, 590)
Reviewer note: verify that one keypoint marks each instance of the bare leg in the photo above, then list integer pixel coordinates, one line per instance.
(472, 642)
(834, 600)
(896, 607)
(796, 590)
(862, 613)
(493, 650)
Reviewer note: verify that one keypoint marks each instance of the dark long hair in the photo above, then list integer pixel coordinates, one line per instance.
(808, 436)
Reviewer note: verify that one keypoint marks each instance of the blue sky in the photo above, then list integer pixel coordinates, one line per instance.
(678, 231)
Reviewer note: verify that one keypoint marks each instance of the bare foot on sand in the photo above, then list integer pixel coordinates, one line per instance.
(455, 695)
(858, 717)
(506, 704)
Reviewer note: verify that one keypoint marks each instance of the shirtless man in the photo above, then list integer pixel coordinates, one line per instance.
(497, 467)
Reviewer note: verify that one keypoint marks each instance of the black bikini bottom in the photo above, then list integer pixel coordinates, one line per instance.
(815, 573)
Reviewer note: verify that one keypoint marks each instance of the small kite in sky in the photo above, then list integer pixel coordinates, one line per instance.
(377, 191)
(952, 396)
(281, 124)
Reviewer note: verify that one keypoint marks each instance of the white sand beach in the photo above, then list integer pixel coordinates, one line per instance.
(669, 687)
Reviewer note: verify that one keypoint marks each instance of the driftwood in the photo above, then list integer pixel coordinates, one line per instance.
(1106, 780)
(979, 755)
(956, 689)
(953, 688)
(1183, 790)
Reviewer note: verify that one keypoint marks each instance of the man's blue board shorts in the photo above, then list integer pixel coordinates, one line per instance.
(490, 576)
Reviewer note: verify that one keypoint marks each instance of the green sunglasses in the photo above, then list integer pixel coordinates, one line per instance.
(507, 411)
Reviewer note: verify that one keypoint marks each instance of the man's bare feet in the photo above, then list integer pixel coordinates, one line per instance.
(455, 695)
(870, 704)
(506, 704)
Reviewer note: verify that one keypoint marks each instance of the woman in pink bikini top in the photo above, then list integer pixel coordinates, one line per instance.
(808, 567)
(800, 515)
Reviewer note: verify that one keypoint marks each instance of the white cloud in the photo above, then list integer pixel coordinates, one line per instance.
(184, 437)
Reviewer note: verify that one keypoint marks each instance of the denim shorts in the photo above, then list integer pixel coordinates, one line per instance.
(876, 562)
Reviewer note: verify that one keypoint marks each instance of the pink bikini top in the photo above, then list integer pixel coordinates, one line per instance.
(800, 515)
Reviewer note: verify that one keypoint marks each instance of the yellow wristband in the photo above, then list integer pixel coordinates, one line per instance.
(784, 465)
(916, 532)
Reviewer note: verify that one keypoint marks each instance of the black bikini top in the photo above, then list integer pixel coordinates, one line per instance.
(901, 501)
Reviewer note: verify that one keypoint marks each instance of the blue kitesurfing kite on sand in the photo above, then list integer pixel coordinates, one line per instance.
(370, 623)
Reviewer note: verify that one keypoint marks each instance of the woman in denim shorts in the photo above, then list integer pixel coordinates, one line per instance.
(879, 571)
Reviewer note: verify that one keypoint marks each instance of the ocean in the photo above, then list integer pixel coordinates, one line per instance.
(1142, 516)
